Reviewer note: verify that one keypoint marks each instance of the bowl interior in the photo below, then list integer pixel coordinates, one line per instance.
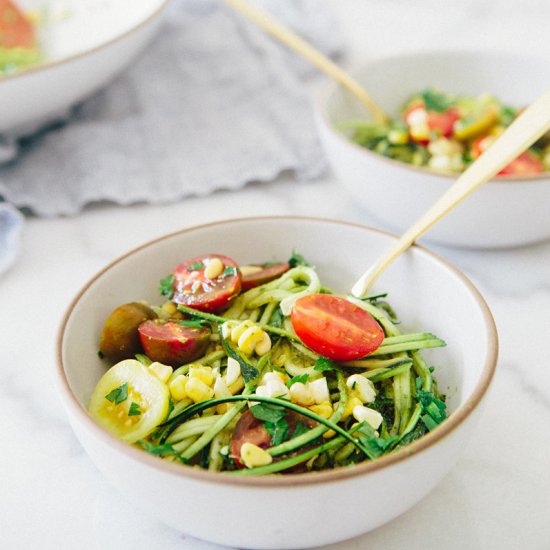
(427, 293)
(66, 28)
(392, 80)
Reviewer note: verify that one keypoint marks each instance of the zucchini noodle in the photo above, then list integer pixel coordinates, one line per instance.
(257, 384)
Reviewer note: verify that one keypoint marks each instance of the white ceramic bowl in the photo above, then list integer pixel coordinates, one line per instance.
(301, 510)
(393, 194)
(85, 44)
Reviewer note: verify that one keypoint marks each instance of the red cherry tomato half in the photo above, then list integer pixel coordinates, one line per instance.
(170, 343)
(15, 29)
(443, 122)
(266, 273)
(194, 289)
(526, 163)
(251, 430)
(335, 328)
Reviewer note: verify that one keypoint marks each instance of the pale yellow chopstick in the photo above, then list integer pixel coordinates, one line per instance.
(300, 46)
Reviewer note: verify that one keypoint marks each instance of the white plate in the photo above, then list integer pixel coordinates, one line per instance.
(84, 43)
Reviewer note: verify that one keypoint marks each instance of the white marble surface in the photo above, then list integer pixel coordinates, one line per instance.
(498, 495)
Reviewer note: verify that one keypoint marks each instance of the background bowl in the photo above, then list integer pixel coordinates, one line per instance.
(394, 194)
(280, 511)
(84, 45)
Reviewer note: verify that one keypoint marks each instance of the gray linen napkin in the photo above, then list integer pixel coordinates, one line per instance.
(212, 103)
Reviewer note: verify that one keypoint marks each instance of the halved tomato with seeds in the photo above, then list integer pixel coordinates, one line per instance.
(194, 288)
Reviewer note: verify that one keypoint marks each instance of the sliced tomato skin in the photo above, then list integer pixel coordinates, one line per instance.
(334, 327)
(172, 344)
(15, 30)
(192, 288)
(248, 430)
(268, 273)
(443, 122)
(251, 430)
(526, 163)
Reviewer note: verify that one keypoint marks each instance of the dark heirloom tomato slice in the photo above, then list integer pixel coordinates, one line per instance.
(334, 327)
(170, 343)
(120, 338)
(194, 289)
(249, 429)
(265, 273)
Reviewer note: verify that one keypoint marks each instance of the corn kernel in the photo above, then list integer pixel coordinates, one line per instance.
(237, 386)
(252, 455)
(177, 387)
(361, 387)
(249, 339)
(232, 372)
(238, 329)
(203, 373)
(324, 410)
(328, 434)
(273, 388)
(214, 268)
(162, 372)
(301, 394)
(264, 345)
(353, 402)
(250, 269)
(221, 390)
(364, 414)
(197, 390)
(319, 390)
(169, 307)
(275, 375)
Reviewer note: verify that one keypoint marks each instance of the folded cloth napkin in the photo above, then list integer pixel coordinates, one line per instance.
(11, 221)
(212, 103)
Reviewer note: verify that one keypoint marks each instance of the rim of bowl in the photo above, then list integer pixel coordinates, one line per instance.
(68, 59)
(418, 446)
(321, 105)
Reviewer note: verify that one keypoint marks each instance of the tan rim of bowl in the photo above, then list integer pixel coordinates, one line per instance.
(322, 108)
(416, 447)
(48, 64)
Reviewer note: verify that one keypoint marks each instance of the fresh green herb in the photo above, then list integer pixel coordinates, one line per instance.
(300, 429)
(434, 408)
(375, 445)
(118, 395)
(194, 323)
(435, 100)
(277, 430)
(323, 364)
(429, 422)
(300, 378)
(248, 370)
(297, 259)
(267, 412)
(167, 286)
(134, 409)
(229, 271)
(197, 266)
(164, 449)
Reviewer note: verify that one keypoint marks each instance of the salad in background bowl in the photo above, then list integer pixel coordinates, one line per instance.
(58, 52)
(421, 287)
(447, 107)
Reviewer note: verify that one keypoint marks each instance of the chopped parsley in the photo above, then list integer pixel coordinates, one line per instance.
(197, 266)
(268, 412)
(300, 378)
(229, 271)
(118, 395)
(134, 409)
(323, 364)
(435, 100)
(297, 259)
(278, 431)
(167, 286)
